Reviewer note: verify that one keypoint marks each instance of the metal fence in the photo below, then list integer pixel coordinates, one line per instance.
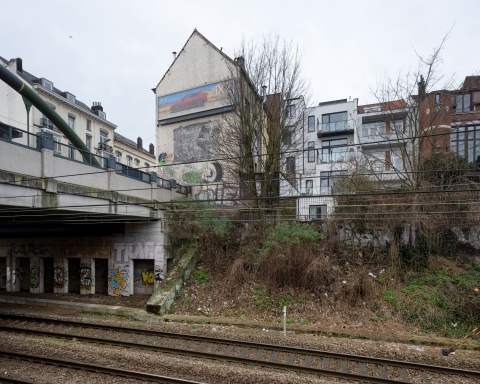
(19, 137)
(75, 154)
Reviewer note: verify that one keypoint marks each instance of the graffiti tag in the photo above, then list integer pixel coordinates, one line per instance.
(34, 277)
(85, 277)
(148, 277)
(58, 277)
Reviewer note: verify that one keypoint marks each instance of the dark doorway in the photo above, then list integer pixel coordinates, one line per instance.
(3, 273)
(48, 275)
(101, 276)
(74, 275)
(22, 272)
(143, 276)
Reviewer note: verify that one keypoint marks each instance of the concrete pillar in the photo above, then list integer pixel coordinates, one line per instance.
(36, 274)
(10, 276)
(60, 275)
(87, 276)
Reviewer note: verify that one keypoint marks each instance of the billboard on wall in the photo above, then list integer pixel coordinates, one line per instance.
(204, 98)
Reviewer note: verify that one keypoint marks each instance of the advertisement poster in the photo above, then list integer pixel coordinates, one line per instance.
(204, 98)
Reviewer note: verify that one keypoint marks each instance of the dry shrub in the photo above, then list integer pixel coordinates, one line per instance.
(359, 288)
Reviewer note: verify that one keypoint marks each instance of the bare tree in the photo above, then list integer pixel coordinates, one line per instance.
(264, 126)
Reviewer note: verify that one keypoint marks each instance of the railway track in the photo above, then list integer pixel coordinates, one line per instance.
(97, 369)
(249, 354)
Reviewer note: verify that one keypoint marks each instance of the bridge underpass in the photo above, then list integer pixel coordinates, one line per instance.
(67, 226)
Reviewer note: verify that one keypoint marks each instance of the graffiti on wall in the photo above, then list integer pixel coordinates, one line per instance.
(158, 275)
(118, 279)
(34, 277)
(193, 143)
(17, 274)
(148, 277)
(85, 276)
(59, 277)
(222, 194)
(123, 252)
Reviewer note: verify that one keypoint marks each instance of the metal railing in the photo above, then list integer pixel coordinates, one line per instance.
(46, 123)
(105, 147)
(134, 173)
(71, 153)
(19, 137)
(335, 126)
(163, 183)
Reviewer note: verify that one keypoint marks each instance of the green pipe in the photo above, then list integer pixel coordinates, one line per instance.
(19, 86)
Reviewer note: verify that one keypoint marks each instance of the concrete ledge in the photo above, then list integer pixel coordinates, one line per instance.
(134, 313)
(164, 296)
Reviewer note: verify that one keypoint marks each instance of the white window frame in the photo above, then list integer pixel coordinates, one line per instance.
(47, 84)
(71, 121)
(309, 187)
(89, 125)
(88, 141)
(313, 212)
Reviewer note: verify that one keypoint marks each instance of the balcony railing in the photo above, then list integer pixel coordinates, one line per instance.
(105, 147)
(334, 127)
(334, 157)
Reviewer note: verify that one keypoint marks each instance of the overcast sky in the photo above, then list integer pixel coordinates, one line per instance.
(120, 49)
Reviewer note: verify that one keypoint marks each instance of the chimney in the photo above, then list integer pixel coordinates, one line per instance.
(240, 61)
(139, 143)
(421, 88)
(19, 65)
(174, 55)
(152, 149)
(97, 106)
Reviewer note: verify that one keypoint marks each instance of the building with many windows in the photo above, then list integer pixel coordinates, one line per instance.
(133, 154)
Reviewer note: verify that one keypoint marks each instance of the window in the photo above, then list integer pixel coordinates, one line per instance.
(290, 165)
(373, 129)
(103, 137)
(45, 122)
(147, 167)
(463, 103)
(466, 142)
(438, 98)
(89, 125)
(137, 163)
(311, 151)
(57, 141)
(311, 123)
(47, 84)
(309, 187)
(71, 121)
(396, 160)
(328, 179)
(291, 110)
(334, 122)
(129, 160)
(397, 125)
(318, 212)
(71, 151)
(376, 160)
(287, 135)
(70, 97)
(334, 150)
(88, 142)
(102, 115)
(118, 155)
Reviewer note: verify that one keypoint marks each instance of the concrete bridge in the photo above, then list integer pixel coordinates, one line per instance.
(69, 226)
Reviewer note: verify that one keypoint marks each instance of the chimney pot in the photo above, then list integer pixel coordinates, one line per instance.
(97, 106)
(19, 64)
(174, 55)
(139, 143)
(152, 149)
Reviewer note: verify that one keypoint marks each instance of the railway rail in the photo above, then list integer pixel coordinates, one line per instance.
(249, 354)
(97, 369)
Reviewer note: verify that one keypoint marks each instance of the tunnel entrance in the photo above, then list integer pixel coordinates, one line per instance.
(101, 276)
(48, 275)
(144, 277)
(74, 275)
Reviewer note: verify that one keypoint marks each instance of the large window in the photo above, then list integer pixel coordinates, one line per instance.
(57, 144)
(103, 137)
(376, 160)
(334, 150)
(463, 103)
(290, 165)
(311, 123)
(129, 160)
(89, 125)
(287, 135)
(334, 122)
(88, 142)
(328, 180)
(118, 156)
(71, 151)
(373, 129)
(291, 110)
(466, 142)
(311, 151)
(318, 212)
(309, 187)
(71, 121)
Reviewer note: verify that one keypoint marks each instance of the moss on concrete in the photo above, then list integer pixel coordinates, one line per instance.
(164, 296)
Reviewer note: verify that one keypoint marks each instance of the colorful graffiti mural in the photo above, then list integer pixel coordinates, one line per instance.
(118, 279)
(34, 277)
(58, 277)
(85, 276)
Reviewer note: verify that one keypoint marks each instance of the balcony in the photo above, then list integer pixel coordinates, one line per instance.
(46, 123)
(336, 157)
(105, 147)
(335, 128)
